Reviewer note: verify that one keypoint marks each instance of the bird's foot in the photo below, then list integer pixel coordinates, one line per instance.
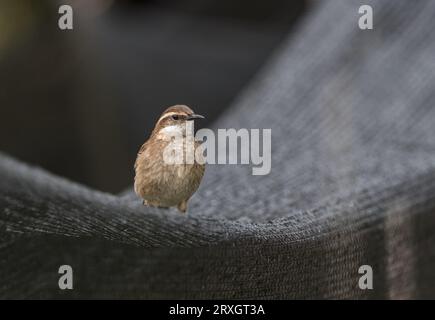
(147, 204)
(182, 206)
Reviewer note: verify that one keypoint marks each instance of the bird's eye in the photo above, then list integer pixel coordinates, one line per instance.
(175, 117)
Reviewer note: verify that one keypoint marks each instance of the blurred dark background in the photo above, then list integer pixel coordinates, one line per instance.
(80, 103)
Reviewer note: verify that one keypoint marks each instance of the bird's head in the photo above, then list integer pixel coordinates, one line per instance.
(173, 120)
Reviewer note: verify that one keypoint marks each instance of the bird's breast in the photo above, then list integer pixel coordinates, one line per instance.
(160, 182)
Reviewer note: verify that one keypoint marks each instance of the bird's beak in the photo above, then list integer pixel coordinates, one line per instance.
(194, 116)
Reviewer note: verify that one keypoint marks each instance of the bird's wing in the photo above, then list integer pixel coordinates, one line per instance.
(141, 150)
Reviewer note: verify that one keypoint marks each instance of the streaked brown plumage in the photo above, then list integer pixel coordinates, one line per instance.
(166, 185)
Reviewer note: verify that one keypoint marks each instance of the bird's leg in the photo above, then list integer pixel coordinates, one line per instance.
(182, 206)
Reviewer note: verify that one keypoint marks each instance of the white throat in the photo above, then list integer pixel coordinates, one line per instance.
(172, 131)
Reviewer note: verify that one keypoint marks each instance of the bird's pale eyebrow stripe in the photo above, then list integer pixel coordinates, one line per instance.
(167, 115)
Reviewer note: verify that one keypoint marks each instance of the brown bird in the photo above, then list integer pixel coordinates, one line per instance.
(163, 184)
